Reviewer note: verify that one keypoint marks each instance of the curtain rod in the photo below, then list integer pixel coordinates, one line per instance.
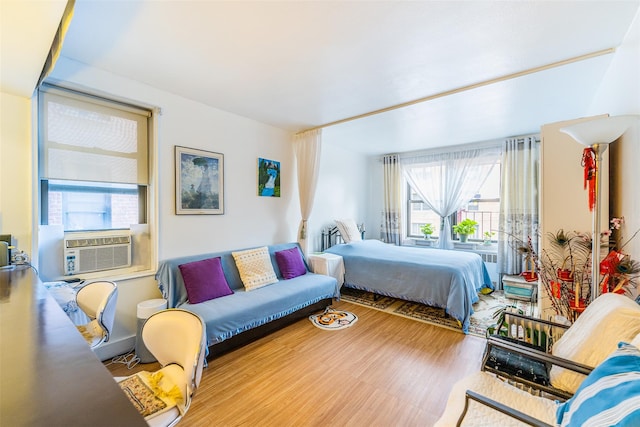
(520, 139)
(467, 87)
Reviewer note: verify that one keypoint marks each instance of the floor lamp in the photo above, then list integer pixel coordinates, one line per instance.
(598, 134)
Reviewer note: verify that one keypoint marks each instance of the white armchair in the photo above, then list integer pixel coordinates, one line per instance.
(608, 320)
(609, 396)
(176, 338)
(539, 364)
(98, 301)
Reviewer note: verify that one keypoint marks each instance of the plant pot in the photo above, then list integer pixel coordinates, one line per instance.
(464, 238)
(529, 276)
(427, 237)
(565, 275)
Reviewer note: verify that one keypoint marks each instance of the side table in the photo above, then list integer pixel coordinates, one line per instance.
(517, 287)
(144, 310)
(328, 264)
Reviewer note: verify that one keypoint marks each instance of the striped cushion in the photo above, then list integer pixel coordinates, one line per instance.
(609, 396)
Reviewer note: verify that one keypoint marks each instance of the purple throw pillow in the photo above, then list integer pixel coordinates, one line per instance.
(290, 263)
(204, 280)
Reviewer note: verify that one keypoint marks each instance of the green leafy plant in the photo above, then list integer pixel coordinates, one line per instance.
(465, 227)
(488, 235)
(427, 229)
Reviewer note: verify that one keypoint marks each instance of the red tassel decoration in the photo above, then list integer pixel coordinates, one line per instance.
(589, 164)
(605, 284)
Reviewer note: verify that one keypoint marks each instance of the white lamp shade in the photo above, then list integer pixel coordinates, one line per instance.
(600, 131)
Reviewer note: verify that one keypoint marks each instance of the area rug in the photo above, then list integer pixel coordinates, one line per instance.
(333, 320)
(482, 317)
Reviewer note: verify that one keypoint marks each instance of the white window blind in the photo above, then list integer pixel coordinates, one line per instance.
(92, 139)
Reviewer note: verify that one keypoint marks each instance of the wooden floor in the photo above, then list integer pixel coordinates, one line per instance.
(385, 370)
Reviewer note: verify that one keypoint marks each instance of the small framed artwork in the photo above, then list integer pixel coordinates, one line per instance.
(199, 182)
(268, 178)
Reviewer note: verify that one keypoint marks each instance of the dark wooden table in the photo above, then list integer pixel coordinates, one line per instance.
(48, 374)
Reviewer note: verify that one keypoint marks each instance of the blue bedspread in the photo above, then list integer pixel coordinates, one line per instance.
(436, 277)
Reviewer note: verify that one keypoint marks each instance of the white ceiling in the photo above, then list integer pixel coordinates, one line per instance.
(301, 64)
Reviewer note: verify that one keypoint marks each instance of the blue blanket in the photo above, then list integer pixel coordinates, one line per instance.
(243, 310)
(436, 277)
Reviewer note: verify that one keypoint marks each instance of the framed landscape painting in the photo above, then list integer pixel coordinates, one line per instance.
(268, 178)
(199, 182)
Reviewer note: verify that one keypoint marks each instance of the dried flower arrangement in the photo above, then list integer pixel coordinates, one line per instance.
(564, 269)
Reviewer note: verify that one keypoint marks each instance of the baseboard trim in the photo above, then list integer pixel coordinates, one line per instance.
(116, 347)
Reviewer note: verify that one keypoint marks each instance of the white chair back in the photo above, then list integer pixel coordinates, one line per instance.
(98, 300)
(177, 336)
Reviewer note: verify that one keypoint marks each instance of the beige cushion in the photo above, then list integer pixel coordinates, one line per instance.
(479, 415)
(255, 268)
(609, 319)
(348, 230)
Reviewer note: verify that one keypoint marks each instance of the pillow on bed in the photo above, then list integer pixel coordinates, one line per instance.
(204, 280)
(255, 268)
(348, 230)
(290, 263)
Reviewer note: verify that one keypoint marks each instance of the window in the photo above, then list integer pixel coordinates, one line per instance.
(419, 214)
(82, 206)
(93, 171)
(483, 208)
(93, 162)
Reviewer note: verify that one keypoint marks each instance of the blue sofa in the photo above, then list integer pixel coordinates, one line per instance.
(236, 319)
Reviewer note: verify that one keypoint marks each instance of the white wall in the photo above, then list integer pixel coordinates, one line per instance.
(619, 94)
(249, 220)
(341, 191)
(15, 170)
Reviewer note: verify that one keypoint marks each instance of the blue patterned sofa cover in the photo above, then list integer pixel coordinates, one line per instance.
(235, 319)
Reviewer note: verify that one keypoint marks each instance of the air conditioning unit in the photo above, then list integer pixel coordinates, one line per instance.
(88, 252)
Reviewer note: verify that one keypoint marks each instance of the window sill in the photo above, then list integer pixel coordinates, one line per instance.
(475, 246)
(113, 275)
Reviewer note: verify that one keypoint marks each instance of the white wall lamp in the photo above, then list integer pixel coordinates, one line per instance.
(597, 134)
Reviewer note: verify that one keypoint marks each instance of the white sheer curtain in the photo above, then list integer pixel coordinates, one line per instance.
(447, 180)
(518, 219)
(391, 214)
(307, 148)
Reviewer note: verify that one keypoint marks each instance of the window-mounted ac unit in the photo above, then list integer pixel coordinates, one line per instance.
(84, 253)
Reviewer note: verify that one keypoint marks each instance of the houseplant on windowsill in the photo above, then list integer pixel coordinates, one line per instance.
(427, 230)
(487, 237)
(464, 228)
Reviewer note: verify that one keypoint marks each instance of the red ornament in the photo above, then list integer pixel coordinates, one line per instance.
(590, 168)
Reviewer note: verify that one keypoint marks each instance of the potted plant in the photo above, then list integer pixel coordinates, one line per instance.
(464, 228)
(427, 230)
(487, 237)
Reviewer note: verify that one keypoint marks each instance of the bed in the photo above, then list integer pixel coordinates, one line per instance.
(446, 279)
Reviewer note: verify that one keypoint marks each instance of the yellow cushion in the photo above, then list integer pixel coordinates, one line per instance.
(152, 393)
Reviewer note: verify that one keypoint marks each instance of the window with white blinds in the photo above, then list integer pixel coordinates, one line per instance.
(93, 161)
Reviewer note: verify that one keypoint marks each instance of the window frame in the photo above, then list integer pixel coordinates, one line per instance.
(453, 218)
(144, 234)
